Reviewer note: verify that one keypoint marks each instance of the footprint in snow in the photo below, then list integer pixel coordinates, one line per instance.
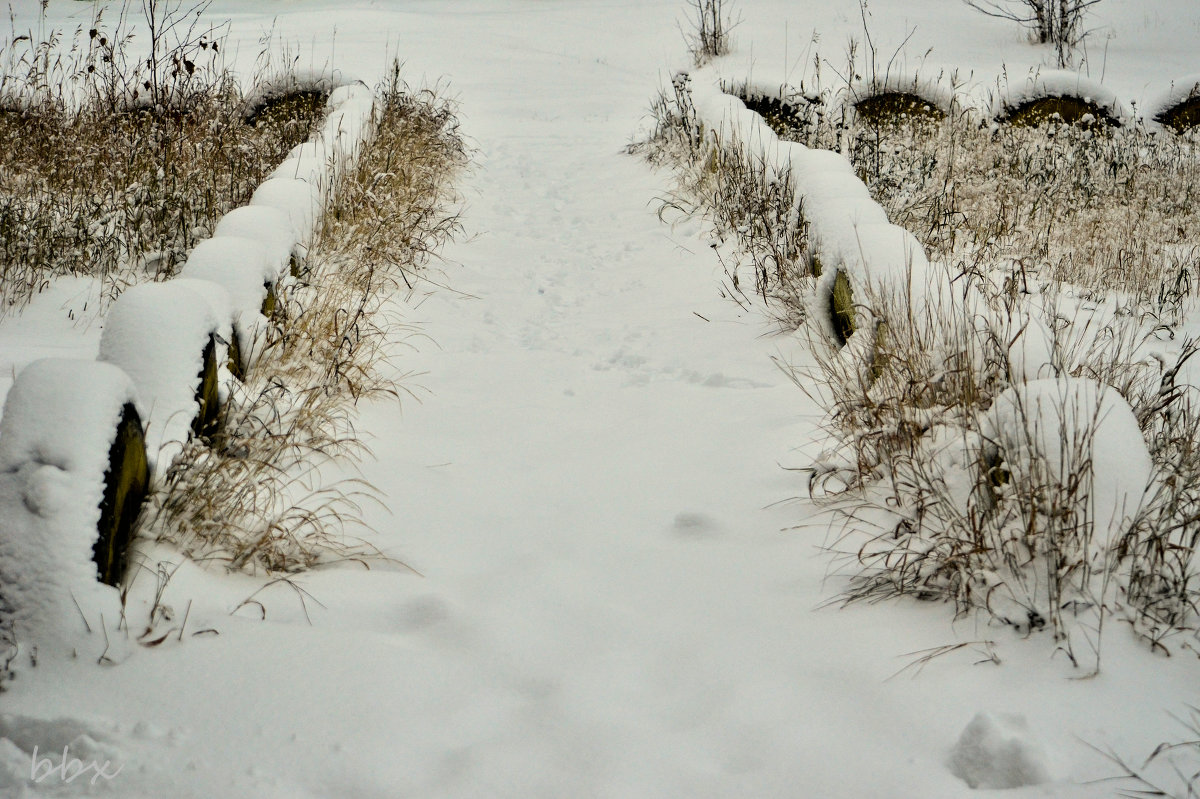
(694, 525)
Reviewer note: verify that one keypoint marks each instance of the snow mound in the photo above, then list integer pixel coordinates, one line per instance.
(242, 266)
(996, 751)
(59, 421)
(1071, 425)
(1180, 91)
(270, 226)
(301, 200)
(1055, 83)
(298, 80)
(156, 333)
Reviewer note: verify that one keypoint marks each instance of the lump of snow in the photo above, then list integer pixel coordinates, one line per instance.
(157, 333)
(60, 419)
(270, 226)
(1067, 425)
(242, 266)
(311, 169)
(301, 200)
(349, 91)
(996, 751)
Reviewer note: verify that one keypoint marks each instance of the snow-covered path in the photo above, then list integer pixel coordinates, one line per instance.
(609, 603)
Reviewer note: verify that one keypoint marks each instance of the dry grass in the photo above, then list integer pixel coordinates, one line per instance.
(1083, 229)
(257, 499)
(109, 171)
(750, 204)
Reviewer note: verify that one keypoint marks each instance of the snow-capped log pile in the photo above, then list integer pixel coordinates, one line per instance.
(900, 94)
(247, 271)
(272, 228)
(166, 337)
(782, 105)
(80, 440)
(268, 92)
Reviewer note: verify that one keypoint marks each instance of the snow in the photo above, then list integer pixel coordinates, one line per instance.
(156, 333)
(619, 592)
(300, 200)
(1011, 92)
(270, 226)
(60, 418)
(1066, 423)
(996, 751)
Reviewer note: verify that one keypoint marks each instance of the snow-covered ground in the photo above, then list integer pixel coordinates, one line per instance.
(615, 590)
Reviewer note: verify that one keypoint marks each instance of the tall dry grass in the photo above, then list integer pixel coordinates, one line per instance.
(1075, 235)
(113, 166)
(257, 499)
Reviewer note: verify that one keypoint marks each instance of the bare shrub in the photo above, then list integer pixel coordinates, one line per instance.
(1058, 23)
(711, 22)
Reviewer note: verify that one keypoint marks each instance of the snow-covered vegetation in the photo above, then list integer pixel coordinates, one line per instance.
(954, 301)
(1060, 261)
(252, 499)
(115, 167)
